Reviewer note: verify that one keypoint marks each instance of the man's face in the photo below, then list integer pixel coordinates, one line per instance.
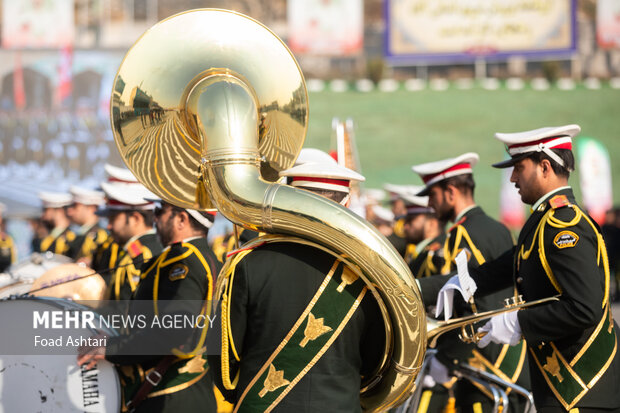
(164, 222)
(414, 228)
(526, 176)
(79, 213)
(398, 207)
(118, 225)
(438, 200)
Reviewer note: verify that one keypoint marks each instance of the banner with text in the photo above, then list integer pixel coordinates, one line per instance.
(446, 30)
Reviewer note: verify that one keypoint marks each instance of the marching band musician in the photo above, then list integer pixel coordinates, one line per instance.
(54, 215)
(572, 342)
(130, 222)
(450, 186)
(82, 212)
(105, 256)
(8, 252)
(185, 272)
(301, 331)
(423, 229)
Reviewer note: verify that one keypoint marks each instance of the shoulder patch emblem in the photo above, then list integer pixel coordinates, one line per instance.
(558, 201)
(135, 249)
(178, 272)
(566, 239)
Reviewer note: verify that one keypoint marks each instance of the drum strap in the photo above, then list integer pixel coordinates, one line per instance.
(152, 379)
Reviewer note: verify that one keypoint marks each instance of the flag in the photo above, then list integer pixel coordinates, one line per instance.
(19, 93)
(595, 177)
(64, 88)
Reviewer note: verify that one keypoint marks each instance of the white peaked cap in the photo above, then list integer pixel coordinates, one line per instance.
(87, 196)
(383, 213)
(313, 155)
(417, 205)
(324, 175)
(55, 199)
(401, 191)
(434, 172)
(521, 144)
(117, 174)
(127, 196)
(205, 221)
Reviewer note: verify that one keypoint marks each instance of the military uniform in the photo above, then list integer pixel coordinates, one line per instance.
(183, 272)
(430, 259)
(572, 343)
(224, 244)
(8, 252)
(483, 239)
(105, 257)
(87, 242)
(58, 241)
(283, 304)
(126, 275)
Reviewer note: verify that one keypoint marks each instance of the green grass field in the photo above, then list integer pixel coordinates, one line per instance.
(400, 129)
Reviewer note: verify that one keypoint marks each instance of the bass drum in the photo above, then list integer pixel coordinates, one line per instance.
(50, 383)
(19, 277)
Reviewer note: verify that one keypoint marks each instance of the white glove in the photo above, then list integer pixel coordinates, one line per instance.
(461, 282)
(502, 329)
(438, 371)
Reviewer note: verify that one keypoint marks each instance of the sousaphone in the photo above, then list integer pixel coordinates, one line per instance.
(207, 107)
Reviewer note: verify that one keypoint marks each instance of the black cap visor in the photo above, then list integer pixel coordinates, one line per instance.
(510, 162)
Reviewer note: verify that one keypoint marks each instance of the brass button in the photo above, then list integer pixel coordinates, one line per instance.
(519, 280)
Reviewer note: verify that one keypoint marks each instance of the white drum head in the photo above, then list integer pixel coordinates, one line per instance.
(52, 382)
(56, 384)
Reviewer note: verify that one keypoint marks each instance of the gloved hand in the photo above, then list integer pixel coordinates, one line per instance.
(438, 371)
(502, 329)
(461, 282)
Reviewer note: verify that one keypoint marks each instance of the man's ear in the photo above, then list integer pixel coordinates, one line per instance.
(450, 193)
(545, 167)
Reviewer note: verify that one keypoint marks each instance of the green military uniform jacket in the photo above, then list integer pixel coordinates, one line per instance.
(58, 241)
(8, 252)
(124, 277)
(273, 286)
(184, 272)
(560, 251)
(430, 259)
(483, 239)
(87, 241)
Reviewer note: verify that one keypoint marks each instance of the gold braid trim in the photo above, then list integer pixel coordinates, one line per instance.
(205, 311)
(227, 340)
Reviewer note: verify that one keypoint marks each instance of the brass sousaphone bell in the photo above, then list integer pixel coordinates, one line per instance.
(207, 107)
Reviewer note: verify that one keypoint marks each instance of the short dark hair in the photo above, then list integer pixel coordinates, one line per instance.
(565, 154)
(148, 215)
(197, 226)
(464, 183)
(336, 196)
